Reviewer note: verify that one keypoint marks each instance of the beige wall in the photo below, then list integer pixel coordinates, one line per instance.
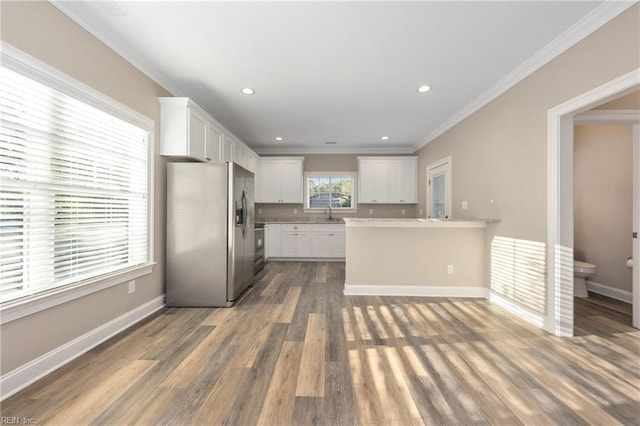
(415, 257)
(630, 101)
(603, 197)
(334, 163)
(500, 152)
(39, 29)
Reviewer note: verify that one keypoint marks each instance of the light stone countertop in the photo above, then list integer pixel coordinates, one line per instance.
(311, 221)
(417, 223)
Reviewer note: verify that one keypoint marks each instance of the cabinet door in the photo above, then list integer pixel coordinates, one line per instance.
(411, 181)
(338, 244)
(227, 150)
(289, 244)
(396, 183)
(373, 175)
(303, 244)
(197, 135)
(270, 182)
(290, 181)
(214, 140)
(320, 244)
(273, 241)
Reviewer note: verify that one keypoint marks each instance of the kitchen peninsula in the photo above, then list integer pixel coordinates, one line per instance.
(416, 257)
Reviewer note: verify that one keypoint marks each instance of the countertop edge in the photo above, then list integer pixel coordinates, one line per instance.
(414, 223)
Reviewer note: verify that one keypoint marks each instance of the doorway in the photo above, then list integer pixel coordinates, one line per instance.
(559, 317)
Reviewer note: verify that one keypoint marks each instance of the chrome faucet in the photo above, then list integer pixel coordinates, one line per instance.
(325, 211)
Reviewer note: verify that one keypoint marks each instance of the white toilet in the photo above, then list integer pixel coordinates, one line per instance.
(581, 272)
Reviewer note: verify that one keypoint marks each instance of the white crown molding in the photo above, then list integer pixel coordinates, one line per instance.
(587, 25)
(603, 116)
(291, 150)
(76, 11)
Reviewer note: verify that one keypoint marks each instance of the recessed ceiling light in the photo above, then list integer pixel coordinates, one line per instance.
(423, 89)
(330, 143)
(248, 91)
(385, 138)
(278, 138)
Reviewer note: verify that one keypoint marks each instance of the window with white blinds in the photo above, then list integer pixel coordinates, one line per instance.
(73, 193)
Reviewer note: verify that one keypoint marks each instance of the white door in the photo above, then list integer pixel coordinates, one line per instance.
(439, 189)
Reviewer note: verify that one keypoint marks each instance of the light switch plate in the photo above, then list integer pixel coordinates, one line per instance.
(465, 205)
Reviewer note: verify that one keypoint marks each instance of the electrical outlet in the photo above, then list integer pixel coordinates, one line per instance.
(132, 286)
(403, 211)
(295, 211)
(465, 205)
(370, 211)
(259, 211)
(449, 269)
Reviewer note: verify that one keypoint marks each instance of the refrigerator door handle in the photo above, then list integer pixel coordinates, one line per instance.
(245, 214)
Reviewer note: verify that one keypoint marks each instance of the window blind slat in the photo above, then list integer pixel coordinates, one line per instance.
(73, 189)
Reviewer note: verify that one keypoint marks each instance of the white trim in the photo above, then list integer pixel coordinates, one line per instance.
(559, 317)
(612, 292)
(13, 310)
(587, 25)
(297, 150)
(448, 182)
(23, 376)
(16, 60)
(414, 291)
(509, 305)
(636, 225)
(76, 11)
(19, 61)
(625, 116)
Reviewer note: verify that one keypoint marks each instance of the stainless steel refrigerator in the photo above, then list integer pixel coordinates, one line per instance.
(210, 237)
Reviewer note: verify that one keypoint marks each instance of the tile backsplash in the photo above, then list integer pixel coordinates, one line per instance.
(287, 211)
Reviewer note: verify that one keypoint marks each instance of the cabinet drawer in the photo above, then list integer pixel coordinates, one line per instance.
(333, 228)
(290, 227)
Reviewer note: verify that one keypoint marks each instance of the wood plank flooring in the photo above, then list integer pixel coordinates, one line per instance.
(296, 351)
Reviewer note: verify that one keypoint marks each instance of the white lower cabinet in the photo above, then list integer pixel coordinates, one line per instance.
(305, 241)
(328, 241)
(273, 240)
(296, 241)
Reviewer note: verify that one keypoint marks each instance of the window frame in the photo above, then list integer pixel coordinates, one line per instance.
(354, 191)
(20, 62)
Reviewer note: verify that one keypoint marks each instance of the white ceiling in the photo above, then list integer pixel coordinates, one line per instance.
(345, 72)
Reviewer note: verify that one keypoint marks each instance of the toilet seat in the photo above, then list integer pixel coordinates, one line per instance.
(584, 267)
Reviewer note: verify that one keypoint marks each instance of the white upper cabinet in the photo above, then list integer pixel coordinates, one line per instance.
(373, 180)
(214, 143)
(183, 129)
(188, 133)
(403, 180)
(388, 180)
(281, 179)
(226, 152)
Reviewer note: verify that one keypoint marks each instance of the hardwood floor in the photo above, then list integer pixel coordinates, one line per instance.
(295, 351)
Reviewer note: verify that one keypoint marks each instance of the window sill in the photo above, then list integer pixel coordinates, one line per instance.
(12, 311)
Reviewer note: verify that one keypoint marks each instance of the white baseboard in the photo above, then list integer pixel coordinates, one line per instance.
(520, 311)
(612, 292)
(414, 290)
(23, 376)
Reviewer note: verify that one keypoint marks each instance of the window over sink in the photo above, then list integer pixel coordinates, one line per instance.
(336, 190)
